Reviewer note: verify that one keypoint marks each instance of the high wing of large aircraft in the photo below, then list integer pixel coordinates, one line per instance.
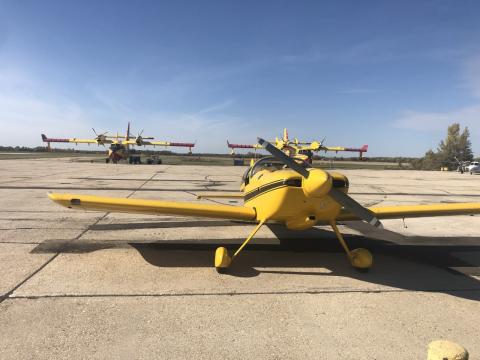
(278, 189)
(297, 148)
(119, 145)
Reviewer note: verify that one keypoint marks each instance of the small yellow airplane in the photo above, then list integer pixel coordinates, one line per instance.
(299, 149)
(119, 148)
(279, 189)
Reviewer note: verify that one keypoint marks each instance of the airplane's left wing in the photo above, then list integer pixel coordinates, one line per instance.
(221, 195)
(153, 207)
(144, 142)
(410, 211)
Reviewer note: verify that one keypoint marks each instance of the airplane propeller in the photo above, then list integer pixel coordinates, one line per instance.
(100, 137)
(339, 196)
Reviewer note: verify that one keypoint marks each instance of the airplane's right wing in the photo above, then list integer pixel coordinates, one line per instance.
(153, 207)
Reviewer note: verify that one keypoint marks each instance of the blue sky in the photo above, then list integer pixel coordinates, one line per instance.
(391, 74)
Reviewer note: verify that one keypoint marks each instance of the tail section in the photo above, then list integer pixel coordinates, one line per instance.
(363, 149)
(285, 135)
(44, 138)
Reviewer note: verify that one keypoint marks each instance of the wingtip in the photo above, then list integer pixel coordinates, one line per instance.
(61, 199)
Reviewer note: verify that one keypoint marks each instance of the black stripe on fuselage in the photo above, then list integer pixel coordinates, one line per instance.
(272, 186)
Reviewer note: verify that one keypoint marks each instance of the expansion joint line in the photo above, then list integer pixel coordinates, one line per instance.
(9, 293)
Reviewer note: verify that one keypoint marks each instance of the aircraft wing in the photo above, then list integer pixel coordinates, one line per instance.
(221, 195)
(364, 148)
(153, 207)
(243, 146)
(88, 141)
(411, 211)
(74, 140)
(144, 143)
(157, 143)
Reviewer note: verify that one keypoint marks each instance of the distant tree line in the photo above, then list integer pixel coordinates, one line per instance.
(455, 149)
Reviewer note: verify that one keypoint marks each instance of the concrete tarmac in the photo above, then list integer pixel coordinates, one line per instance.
(104, 285)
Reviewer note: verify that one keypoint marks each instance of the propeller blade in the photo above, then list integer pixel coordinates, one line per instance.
(94, 131)
(280, 155)
(343, 199)
(350, 204)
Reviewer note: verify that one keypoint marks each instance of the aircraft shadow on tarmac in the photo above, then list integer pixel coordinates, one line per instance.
(166, 225)
(419, 264)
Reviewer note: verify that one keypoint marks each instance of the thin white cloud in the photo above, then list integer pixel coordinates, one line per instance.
(211, 130)
(438, 121)
(217, 107)
(27, 110)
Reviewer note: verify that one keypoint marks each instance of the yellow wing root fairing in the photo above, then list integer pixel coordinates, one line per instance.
(153, 207)
(411, 211)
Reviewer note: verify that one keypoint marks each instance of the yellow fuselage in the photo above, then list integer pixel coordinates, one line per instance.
(284, 196)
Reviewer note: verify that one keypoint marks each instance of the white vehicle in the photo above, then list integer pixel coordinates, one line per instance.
(474, 167)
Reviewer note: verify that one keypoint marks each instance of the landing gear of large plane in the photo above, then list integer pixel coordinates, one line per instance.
(361, 259)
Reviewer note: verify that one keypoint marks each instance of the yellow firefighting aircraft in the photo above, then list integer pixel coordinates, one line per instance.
(119, 148)
(278, 189)
(297, 148)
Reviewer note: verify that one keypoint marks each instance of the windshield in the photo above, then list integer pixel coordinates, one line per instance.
(115, 147)
(267, 163)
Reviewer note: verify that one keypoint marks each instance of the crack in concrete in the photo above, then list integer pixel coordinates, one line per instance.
(247, 293)
(53, 257)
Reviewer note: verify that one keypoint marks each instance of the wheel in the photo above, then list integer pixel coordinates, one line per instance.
(222, 260)
(361, 259)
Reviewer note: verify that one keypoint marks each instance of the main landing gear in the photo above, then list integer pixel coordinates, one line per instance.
(361, 259)
(223, 259)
